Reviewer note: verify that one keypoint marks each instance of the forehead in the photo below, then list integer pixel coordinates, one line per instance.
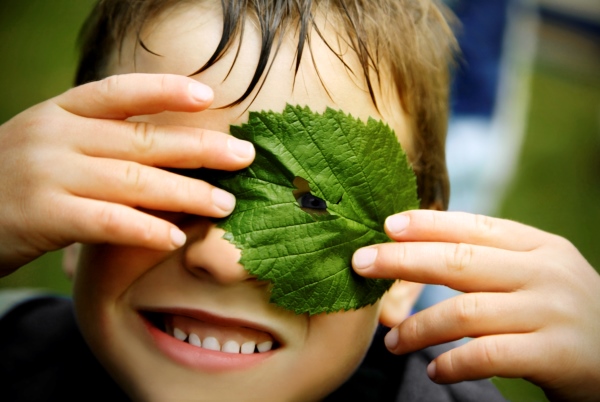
(184, 37)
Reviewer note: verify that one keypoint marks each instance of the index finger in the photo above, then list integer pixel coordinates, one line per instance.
(123, 96)
(462, 227)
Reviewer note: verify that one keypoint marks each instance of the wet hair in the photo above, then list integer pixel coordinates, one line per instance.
(411, 39)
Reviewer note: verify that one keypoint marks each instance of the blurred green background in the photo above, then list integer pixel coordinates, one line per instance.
(556, 187)
(38, 49)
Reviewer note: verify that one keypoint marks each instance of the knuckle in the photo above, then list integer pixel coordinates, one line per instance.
(201, 142)
(166, 85)
(113, 223)
(489, 353)
(107, 90)
(145, 232)
(36, 126)
(109, 86)
(483, 223)
(466, 308)
(412, 329)
(108, 220)
(144, 136)
(563, 308)
(459, 257)
(431, 218)
(134, 176)
(452, 361)
(565, 245)
(192, 191)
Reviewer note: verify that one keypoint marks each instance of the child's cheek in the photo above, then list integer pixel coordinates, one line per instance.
(103, 275)
(105, 272)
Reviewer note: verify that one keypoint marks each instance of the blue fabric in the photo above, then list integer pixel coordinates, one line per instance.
(481, 39)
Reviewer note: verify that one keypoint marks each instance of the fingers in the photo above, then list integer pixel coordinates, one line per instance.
(459, 227)
(463, 251)
(77, 157)
(511, 355)
(166, 146)
(95, 221)
(464, 267)
(96, 126)
(137, 185)
(527, 288)
(123, 96)
(124, 154)
(468, 315)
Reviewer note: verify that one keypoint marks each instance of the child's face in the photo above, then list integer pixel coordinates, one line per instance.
(129, 300)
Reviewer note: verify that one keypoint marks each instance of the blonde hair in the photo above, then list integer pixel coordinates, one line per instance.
(412, 39)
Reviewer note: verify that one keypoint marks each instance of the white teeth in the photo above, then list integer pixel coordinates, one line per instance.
(211, 343)
(194, 340)
(264, 346)
(231, 347)
(179, 334)
(248, 348)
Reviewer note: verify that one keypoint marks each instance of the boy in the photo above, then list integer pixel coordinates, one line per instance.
(153, 279)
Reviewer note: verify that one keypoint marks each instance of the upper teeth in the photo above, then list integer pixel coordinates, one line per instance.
(229, 346)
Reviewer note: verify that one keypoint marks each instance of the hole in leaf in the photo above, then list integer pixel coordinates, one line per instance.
(306, 200)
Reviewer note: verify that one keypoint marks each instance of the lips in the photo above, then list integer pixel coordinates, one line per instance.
(224, 338)
(204, 341)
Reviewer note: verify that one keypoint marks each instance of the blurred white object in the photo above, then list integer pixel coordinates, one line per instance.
(482, 153)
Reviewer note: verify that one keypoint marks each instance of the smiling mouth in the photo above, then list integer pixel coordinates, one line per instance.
(210, 333)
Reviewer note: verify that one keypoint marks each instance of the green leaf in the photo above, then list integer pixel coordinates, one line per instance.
(361, 173)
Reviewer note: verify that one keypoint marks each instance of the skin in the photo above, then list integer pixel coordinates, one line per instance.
(46, 209)
(134, 217)
(530, 301)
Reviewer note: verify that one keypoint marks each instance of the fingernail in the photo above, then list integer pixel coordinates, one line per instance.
(223, 200)
(200, 92)
(178, 238)
(391, 339)
(431, 370)
(242, 149)
(395, 224)
(364, 258)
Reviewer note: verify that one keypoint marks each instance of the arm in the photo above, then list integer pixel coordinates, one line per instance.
(75, 170)
(531, 300)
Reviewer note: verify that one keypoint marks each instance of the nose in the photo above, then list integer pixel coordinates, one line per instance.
(210, 257)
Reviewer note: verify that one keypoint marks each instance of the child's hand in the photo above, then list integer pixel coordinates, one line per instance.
(73, 169)
(531, 302)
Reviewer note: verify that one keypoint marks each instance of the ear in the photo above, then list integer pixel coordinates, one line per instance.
(70, 259)
(397, 303)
